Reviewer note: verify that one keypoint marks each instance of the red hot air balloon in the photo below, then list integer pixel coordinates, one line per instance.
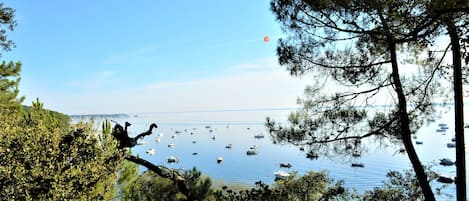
(266, 39)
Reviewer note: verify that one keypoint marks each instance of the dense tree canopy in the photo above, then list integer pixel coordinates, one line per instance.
(371, 79)
(43, 156)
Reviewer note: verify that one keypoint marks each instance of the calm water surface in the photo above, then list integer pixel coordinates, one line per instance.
(239, 128)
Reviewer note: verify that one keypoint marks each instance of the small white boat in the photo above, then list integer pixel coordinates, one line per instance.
(177, 131)
(451, 145)
(453, 139)
(418, 142)
(302, 149)
(213, 138)
(445, 179)
(440, 130)
(151, 151)
(157, 140)
(170, 145)
(356, 154)
(312, 155)
(207, 126)
(251, 152)
(193, 142)
(443, 125)
(173, 136)
(285, 165)
(195, 153)
(281, 175)
(358, 165)
(254, 147)
(229, 146)
(211, 130)
(219, 159)
(446, 162)
(160, 134)
(142, 143)
(172, 159)
(259, 136)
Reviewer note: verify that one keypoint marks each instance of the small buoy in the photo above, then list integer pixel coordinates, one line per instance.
(266, 39)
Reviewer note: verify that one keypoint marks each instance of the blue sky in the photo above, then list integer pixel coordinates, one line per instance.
(150, 56)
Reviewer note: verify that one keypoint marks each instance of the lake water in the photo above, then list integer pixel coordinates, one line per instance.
(239, 128)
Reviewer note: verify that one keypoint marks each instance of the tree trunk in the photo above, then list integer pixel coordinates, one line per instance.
(458, 111)
(404, 125)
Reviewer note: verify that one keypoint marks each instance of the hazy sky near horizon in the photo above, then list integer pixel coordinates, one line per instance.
(150, 56)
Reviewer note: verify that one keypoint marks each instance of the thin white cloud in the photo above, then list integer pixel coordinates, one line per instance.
(95, 80)
(269, 63)
(117, 58)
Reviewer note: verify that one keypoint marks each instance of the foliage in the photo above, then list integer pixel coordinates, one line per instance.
(43, 157)
(350, 63)
(106, 127)
(9, 80)
(199, 187)
(400, 186)
(54, 119)
(312, 186)
(126, 180)
(149, 186)
(9, 71)
(42, 162)
(355, 50)
(7, 22)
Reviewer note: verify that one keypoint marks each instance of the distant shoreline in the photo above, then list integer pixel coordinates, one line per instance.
(99, 116)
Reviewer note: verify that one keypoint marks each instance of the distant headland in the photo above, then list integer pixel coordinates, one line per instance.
(98, 116)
